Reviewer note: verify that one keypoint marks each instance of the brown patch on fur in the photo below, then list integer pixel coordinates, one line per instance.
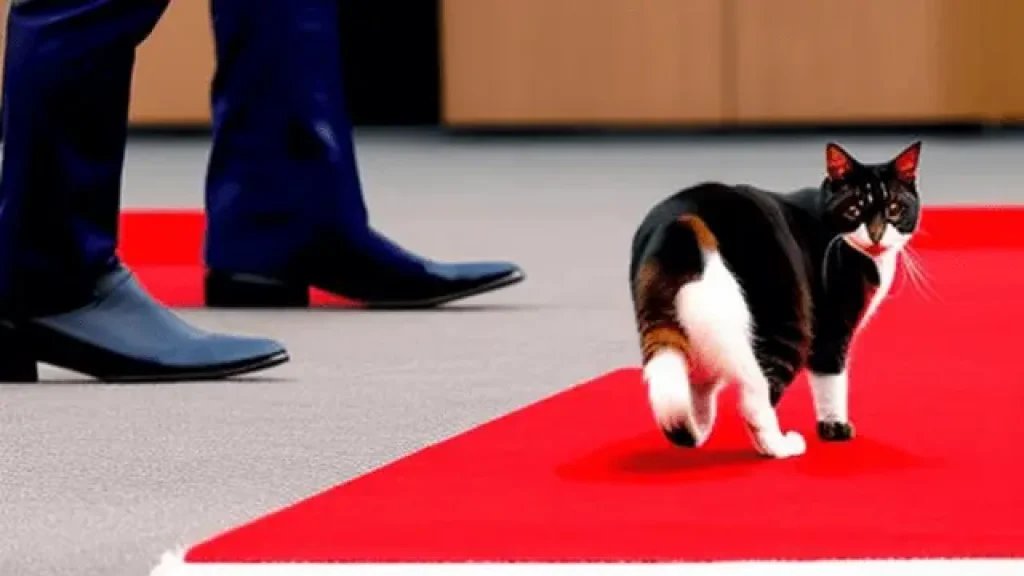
(656, 292)
(656, 312)
(705, 238)
(661, 337)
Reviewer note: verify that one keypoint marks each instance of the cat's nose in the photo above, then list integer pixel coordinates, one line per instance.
(876, 229)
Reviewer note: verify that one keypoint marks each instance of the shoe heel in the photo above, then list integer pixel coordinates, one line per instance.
(17, 360)
(237, 291)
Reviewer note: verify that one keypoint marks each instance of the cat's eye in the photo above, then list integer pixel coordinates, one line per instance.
(895, 210)
(852, 212)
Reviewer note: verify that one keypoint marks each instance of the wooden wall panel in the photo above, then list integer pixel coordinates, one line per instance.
(1002, 64)
(875, 60)
(567, 62)
(174, 67)
(666, 62)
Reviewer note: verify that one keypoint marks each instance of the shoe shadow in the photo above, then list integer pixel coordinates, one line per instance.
(447, 309)
(85, 381)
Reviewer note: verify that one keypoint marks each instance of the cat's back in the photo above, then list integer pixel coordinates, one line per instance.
(743, 218)
(754, 238)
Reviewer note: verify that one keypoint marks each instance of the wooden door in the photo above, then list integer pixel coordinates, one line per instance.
(582, 62)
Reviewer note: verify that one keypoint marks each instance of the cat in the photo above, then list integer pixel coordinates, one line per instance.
(732, 283)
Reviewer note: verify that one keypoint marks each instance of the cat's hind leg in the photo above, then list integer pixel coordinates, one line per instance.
(705, 402)
(671, 258)
(670, 396)
(715, 315)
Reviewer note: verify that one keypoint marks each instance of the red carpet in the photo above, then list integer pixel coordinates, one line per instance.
(585, 477)
(165, 248)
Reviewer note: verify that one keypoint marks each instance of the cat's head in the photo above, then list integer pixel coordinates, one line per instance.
(874, 207)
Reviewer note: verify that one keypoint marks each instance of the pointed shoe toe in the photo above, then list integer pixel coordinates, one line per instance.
(432, 285)
(123, 335)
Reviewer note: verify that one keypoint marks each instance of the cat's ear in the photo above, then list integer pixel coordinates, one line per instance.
(838, 162)
(905, 163)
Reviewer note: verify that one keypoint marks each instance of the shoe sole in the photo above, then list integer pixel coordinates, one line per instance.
(276, 297)
(496, 284)
(213, 373)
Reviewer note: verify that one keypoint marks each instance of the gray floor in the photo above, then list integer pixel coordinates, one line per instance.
(98, 480)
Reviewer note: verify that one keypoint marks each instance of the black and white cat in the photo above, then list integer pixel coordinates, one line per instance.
(738, 284)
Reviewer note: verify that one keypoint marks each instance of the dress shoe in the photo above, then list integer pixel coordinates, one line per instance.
(123, 335)
(376, 277)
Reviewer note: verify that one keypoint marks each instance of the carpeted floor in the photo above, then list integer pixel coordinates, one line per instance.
(99, 480)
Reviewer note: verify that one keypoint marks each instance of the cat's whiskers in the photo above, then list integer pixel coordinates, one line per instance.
(905, 271)
(918, 267)
(917, 276)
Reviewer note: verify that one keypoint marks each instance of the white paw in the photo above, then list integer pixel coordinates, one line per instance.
(780, 446)
(673, 411)
(793, 445)
(668, 390)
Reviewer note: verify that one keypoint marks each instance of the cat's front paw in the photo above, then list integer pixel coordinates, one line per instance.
(794, 445)
(779, 445)
(836, 431)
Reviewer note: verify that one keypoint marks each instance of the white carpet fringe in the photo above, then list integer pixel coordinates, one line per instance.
(173, 564)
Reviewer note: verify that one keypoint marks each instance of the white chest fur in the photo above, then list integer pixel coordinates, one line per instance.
(893, 241)
(886, 266)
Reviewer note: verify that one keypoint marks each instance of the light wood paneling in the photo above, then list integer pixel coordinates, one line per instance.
(174, 67)
(812, 60)
(567, 62)
(1002, 65)
(670, 62)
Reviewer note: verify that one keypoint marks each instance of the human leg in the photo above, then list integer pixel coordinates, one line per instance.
(284, 198)
(64, 297)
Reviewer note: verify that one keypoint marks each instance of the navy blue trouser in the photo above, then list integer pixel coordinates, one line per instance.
(282, 169)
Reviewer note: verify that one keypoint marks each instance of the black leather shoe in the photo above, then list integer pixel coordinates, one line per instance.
(376, 278)
(123, 335)
(442, 284)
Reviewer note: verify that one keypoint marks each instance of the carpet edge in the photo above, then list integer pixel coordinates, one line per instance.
(173, 564)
